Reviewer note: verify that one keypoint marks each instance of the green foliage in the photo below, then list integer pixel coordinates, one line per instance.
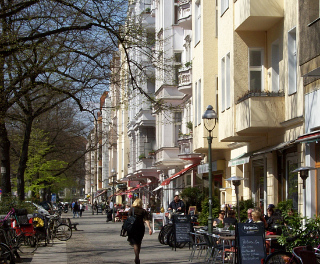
(193, 196)
(244, 206)
(220, 225)
(142, 156)
(40, 172)
(8, 202)
(189, 125)
(203, 218)
(285, 206)
(308, 236)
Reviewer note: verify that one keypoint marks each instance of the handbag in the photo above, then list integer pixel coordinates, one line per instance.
(129, 223)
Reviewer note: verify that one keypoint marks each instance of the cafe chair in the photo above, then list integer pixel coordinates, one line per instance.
(198, 244)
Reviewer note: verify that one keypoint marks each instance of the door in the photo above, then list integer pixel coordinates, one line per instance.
(292, 180)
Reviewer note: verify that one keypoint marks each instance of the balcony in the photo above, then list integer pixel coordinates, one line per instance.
(257, 15)
(185, 81)
(147, 20)
(168, 157)
(144, 163)
(256, 114)
(184, 14)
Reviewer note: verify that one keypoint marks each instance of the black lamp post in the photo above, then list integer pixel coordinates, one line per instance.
(113, 175)
(236, 181)
(304, 174)
(210, 120)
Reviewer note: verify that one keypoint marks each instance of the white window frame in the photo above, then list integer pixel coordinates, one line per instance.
(199, 102)
(256, 68)
(275, 69)
(197, 30)
(292, 61)
(195, 104)
(224, 6)
(223, 85)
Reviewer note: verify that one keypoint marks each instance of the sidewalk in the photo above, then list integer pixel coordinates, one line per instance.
(99, 242)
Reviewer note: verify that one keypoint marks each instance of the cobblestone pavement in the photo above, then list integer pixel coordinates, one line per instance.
(99, 242)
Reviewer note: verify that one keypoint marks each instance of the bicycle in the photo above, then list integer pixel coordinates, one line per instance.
(22, 234)
(57, 229)
(6, 255)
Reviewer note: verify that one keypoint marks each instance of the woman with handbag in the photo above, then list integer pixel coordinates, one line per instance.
(136, 235)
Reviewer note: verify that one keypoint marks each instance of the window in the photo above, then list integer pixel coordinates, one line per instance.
(197, 29)
(224, 6)
(275, 67)
(177, 126)
(225, 82)
(176, 12)
(255, 70)
(199, 102)
(177, 66)
(228, 81)
(292, 62)
(292, 182)
(195, 104)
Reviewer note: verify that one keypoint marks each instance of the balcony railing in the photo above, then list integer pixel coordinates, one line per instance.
(255, 112)
(257, 15)
(185, 81)
(184, 14)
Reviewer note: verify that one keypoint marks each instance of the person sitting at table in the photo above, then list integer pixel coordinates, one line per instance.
(219, 219)
(127, 208)
(249, 220)
(176, 204)
(258, 209)
(231, 219)
(256, 217)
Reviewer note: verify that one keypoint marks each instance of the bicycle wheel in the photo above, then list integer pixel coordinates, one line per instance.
(27, 244)
(6, 255)
(281, 257)
(63, 232)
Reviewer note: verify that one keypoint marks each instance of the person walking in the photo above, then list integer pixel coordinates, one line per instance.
(76, 210)
(81, 209)
(136, 235)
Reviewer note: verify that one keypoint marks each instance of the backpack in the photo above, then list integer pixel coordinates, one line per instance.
(129, 223)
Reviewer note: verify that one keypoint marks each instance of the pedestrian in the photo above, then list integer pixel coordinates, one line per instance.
(81, 208)
(135, 237)
(76, 210)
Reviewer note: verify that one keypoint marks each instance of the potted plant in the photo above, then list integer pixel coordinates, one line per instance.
(151, 152)
(232, 230)
(220, 226)
(142, 156)
(189, 125)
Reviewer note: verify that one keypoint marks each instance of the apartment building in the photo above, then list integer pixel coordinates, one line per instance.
(261, 98)
(309, 62)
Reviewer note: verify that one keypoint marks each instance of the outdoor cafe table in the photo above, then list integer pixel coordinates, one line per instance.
(227, 239)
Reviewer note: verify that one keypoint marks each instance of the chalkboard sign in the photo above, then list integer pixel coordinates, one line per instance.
(251, 243)
(182, 228)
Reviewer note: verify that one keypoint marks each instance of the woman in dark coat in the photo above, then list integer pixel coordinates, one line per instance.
(136, 235)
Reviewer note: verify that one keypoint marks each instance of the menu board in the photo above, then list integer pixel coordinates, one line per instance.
(251, 243)
(182, 228)
(157, 221)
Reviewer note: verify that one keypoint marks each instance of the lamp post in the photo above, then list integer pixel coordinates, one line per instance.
(113, 175)
(210, 120)
(236, 181)
(304, 173)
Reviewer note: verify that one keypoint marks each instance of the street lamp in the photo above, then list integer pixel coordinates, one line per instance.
(210, 120)
(113, 175)
(236, 181)
(304, 173)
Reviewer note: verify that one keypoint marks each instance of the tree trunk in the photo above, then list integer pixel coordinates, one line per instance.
(5, 158)
(23, 159)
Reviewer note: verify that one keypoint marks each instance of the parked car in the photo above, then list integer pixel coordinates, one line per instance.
(39, 209)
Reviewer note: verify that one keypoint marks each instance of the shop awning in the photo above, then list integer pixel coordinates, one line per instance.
(100, 193)
(158, 188)
(309, 138)
(178, 174)
(242, 159)
(282, 145)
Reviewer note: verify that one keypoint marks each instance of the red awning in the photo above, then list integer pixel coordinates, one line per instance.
(178, 174)
(310, 137)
